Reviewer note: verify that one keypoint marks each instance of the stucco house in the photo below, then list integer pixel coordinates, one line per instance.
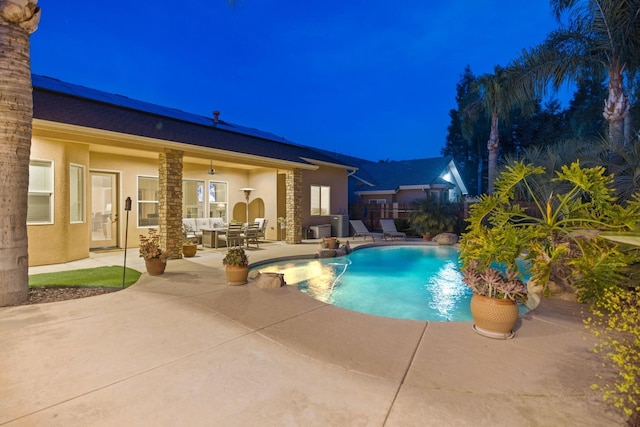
(91, 151)
(404, 181)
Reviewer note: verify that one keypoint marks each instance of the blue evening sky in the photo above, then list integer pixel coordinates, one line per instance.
(374, 79)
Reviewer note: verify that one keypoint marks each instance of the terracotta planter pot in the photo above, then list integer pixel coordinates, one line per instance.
(189, 250)
(492, 317)
(155, 266)
(237, 275)
(426, 236)
(331, 242)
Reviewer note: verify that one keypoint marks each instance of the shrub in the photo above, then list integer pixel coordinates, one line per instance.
(616, 321)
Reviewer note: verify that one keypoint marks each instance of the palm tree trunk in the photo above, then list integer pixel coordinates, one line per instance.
(616, 108)
(479, 169)
(628, 131)
(16, 112)
(492, 147)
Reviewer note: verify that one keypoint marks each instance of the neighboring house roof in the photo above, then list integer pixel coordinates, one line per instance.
(392, 176)
(61, 102)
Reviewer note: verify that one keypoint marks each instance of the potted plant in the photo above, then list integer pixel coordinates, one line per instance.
(155, 258)
(550, 224)
(330, 243)
(495, 294)
(189, 247)
(237, 266)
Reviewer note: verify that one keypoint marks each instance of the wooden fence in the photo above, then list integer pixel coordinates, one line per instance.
(371, 214)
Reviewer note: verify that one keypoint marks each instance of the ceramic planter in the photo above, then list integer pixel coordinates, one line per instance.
(155, 266)
(189, 250)
(331, 242)
(493, 317)
(237, 275)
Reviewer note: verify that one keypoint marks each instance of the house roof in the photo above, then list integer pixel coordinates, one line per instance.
(393, 175)
(61, 102)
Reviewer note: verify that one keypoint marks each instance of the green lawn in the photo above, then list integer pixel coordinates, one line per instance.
(109, 277)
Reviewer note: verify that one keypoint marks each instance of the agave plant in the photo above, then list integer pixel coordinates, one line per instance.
(493, 283)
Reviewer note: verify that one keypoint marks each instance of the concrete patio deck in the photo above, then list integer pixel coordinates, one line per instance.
(185, 349)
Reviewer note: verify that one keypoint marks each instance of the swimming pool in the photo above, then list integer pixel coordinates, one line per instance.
(405, 282)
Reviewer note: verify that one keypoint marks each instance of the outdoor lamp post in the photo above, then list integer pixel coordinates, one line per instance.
(247, 193)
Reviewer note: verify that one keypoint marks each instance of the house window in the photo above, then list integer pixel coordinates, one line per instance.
(148, 201)
(40, 199)
(218, 200)
(193, 199)
(76, 194)
(320, 197)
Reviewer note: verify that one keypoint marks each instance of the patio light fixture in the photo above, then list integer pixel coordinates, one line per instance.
(247, 193)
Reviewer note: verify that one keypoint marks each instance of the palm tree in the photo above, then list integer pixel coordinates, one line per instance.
(18, 19)
(497, 100)
(601, 38)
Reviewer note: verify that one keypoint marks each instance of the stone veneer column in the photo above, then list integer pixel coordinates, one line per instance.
(170, 202)
(293, 185)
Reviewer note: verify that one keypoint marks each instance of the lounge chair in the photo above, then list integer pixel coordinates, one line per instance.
(389, 229)
(359, 229)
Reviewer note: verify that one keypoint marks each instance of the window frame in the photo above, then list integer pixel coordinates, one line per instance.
(142, 201)
(214, 205)
(81, 191)
(50, 192)
(324, 206)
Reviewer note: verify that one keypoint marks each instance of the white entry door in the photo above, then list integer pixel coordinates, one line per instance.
(104, 210)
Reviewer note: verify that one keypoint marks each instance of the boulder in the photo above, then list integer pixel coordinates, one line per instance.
(326, 253)
(270, 280)
(446, 239)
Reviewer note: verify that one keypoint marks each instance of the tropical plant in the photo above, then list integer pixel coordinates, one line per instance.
(150, 246)
(188, 241)
(18, 19)
(236, 257)
(430, 216)
(601, 37)
(555, 232)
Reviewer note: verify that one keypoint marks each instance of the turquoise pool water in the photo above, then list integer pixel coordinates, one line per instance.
(405, 282)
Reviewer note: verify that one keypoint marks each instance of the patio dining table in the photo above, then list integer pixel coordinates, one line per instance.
(210, 236)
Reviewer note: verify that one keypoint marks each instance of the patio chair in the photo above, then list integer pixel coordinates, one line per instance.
(389, 230)
(250, 234)
(361, 230)
(233, 235)
(262, 227)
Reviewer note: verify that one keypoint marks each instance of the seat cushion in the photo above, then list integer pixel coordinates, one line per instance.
(202, 223)
(216, 222)
(189, 223)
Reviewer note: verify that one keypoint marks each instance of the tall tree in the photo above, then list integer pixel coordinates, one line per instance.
(601, 37)
(18, 19)
(497, 100)
(584, 115)
(466, 134)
